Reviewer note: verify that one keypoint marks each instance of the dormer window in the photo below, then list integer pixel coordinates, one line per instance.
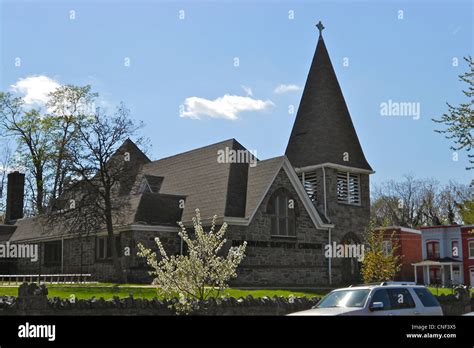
(348, 188)
(150, 183)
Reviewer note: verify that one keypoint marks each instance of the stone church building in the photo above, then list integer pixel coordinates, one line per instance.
(287, 208)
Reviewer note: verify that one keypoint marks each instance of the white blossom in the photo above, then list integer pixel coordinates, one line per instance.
(203, 272)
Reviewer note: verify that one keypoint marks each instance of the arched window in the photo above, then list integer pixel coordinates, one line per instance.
(282, 210)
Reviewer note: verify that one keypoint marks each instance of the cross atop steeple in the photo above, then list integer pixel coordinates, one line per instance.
(320, 27)
(323, 129)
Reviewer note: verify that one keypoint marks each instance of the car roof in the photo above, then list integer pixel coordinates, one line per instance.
(379, 285)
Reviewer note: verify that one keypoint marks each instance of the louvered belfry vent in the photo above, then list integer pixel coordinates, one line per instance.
(348, 188)
(310, 184)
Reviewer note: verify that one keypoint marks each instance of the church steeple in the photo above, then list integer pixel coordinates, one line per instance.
(323, 131)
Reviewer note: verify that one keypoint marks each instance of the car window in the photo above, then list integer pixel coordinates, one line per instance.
(344, 298)
(426, 297)
(382, 296)
(401, 299)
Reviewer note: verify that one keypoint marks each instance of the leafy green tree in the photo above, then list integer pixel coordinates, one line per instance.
(467, 212)
(69, 107)
(32, 134)
(45, 137)
(459, 120)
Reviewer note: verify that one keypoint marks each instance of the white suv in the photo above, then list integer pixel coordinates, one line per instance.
(387, 298)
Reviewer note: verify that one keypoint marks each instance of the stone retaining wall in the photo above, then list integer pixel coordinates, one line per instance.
(130, 306)
(33, 300)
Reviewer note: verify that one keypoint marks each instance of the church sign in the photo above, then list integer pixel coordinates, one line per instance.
(278, 244)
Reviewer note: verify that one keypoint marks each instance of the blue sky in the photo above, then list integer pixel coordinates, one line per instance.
(188, 65)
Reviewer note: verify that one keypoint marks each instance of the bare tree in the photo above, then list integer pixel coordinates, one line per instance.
(101, 168)
(5, 164)
(417, 202)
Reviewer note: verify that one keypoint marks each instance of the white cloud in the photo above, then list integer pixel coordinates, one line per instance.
(227, 107)
(280, 89)
(35, 88)
(247, 90)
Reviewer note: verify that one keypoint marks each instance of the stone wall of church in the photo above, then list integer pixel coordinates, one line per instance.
(135, 266)
(270, 260)
(350, 224)
(73, 262)
(281, 261)
(103, 270)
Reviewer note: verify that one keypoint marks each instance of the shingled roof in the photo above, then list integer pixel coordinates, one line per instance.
(143, 208)
(213, 187)
(323, 129)
(197, 178)
(6, 232)
(260, 179)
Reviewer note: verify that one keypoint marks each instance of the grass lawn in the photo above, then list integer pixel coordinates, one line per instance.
(107, 291)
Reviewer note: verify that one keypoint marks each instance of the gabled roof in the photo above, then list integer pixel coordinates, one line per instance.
(213, 187)
(323, 129)
(260, 178)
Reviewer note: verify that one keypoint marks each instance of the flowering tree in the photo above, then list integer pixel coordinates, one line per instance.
(199, 274)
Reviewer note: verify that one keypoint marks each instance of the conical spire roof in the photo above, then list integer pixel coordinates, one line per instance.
(323, 131)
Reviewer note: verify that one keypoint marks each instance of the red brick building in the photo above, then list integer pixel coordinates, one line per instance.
(467, 237)
(409, 248)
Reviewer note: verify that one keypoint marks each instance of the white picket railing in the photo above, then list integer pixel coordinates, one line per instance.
(43, 278)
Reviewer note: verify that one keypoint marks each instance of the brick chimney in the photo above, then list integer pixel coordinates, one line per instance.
(15, 195)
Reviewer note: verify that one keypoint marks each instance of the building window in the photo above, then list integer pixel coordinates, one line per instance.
(103, 247)
(282, 211)
(432, 250)
(348, 188)
(455, 248)
(387, 247)
(52, 253)
(470, 247)
(310, 184)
